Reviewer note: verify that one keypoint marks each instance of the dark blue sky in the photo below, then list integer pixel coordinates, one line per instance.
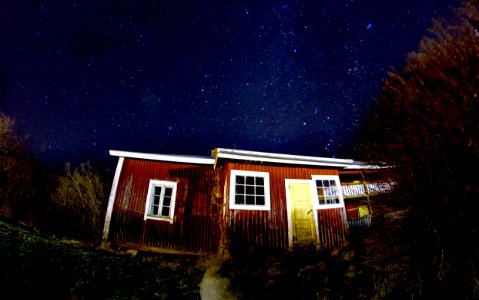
(297, 77)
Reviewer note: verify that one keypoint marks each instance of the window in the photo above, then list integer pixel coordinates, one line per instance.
(160, 203)
(249, 190)
(328, 191)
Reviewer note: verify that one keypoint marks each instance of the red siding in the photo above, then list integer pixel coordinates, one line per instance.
(332, 227)
(270, 228)
(193, 228)
(352, 209)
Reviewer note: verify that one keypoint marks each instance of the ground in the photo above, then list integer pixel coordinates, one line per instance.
(40, 266)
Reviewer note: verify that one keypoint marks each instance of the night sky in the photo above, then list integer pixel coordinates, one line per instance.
(184, 77)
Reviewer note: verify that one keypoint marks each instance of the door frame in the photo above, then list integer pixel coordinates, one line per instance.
(289, 212)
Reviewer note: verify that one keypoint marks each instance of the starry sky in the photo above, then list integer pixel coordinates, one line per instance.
(184, 77)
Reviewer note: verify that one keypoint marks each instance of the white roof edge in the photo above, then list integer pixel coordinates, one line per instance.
(287, 158)
(164, 157)
(283, 161)
(249, 156)
(365, 167)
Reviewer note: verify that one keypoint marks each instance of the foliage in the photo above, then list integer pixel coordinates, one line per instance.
(9, 143)
(23, 181)
(77, 202)
(36, 266)
(425, 124)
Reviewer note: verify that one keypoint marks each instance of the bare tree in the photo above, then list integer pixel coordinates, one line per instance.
(23, 182)
(10, 146)
(77, 202)
(426, 125)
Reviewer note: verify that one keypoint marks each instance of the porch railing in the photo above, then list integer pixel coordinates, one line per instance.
(360, 190)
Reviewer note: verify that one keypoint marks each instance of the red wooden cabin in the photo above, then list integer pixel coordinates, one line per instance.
(175, 203)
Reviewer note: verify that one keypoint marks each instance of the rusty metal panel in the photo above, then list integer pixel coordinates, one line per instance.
(360, 224)
(193, 228)
(333, 227)
(269, 229)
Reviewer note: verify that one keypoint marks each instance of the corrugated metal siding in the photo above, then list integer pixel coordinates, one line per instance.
(193, 228)
(359, 224)
(270, 228)
(333, 227)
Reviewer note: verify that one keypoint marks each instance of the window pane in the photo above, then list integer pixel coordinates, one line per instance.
(239, 199)
(156, 200)
(157, 190)
(249, 189)
(259, 200)
(259, 190)
(240, 179)
(320, 192)
(239, 189)
(165, 211)
(259, 181)
(166, 201)
(168, 192)
(154, 210)
(334, 191)
(327, 191)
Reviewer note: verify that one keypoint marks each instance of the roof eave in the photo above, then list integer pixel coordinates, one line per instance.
(284, 158)
(164, 157)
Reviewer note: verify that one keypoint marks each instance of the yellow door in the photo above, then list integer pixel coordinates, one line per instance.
(302, 214)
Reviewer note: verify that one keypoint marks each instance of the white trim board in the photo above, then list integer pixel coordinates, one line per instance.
(164, 157)
(249, 156)
(232, 192)
(282, 161)
(111, 199)
(154, 183)
(287, 158)
(316, 204)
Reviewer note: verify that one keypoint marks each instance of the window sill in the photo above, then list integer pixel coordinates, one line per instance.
(328, 206)
(168, 219)
(249, 207)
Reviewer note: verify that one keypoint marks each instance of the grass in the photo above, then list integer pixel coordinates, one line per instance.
(37, 266)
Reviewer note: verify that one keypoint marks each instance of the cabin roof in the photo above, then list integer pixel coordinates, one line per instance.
(204, 160)
(235, 154)
(287, 158)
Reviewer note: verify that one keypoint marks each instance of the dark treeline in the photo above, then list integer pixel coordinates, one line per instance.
(425, 125)
(68, 204)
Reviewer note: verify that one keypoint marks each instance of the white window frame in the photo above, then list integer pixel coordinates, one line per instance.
(264, 175)
(151, 188)
(316, 204)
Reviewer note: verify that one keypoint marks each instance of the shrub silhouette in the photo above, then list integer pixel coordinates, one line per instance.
(77, 202)
(425, 124)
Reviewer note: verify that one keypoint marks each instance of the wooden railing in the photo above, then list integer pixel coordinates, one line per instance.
(361, 190)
